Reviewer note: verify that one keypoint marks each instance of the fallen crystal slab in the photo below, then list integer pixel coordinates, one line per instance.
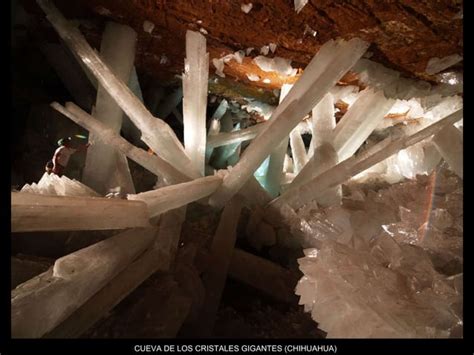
(33, 212)
(41, 303)
(174, 196)
(449, 142)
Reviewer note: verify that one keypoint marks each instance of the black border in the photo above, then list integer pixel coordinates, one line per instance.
(126, 346)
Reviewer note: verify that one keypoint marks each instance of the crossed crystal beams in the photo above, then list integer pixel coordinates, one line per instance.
(331, 62)
(348, 168)
(155, 132)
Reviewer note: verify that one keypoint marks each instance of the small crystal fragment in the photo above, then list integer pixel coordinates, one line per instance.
(148, 26)
(246, 7)
(299, 4)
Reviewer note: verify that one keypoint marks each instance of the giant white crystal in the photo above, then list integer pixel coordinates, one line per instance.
(195, 76)
(101, 168)
(359, 122)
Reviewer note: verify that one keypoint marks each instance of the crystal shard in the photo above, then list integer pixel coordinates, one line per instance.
(298, 150)
(359, 122)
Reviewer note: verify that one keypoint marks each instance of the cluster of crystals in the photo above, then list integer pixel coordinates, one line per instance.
(395, 268)
(51, 184)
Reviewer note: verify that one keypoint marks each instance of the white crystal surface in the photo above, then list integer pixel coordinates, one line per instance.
(253, 77)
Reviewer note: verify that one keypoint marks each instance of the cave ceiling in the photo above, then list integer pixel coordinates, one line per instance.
(404, 34)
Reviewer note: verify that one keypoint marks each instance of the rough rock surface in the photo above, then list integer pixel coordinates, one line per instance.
(405, 34)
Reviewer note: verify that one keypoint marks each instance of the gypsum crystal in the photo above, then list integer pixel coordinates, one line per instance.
(174, 196)
(52, 184)
(118, 51)
(195, 79)
(33, 212)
